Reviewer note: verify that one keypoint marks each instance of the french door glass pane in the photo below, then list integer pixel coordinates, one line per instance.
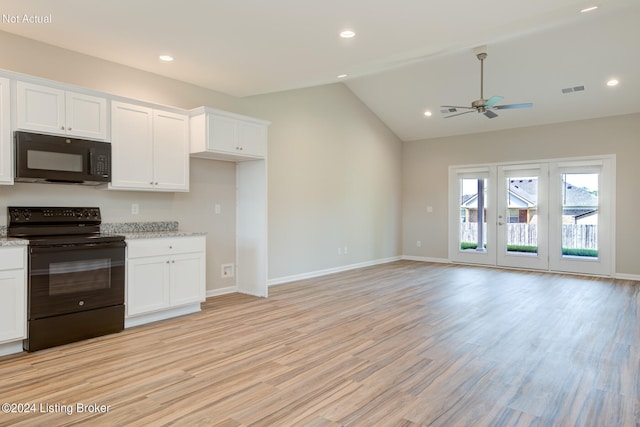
(580, 215)
(473, 214)
(522, 215)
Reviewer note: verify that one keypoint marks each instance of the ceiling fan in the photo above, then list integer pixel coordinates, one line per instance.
(484, 106)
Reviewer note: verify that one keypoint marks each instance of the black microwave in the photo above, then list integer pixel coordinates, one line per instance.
(62, 160)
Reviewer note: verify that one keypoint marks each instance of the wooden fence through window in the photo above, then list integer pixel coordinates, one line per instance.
(574, 236)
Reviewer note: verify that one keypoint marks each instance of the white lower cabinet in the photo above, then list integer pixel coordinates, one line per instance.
(163, 275)
(148, 284)
(13, 297)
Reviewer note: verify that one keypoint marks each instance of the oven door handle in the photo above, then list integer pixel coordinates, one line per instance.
(75, 247)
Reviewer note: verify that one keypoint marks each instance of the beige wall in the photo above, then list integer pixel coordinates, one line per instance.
(334, 181)
(425, 175)
(333, 170)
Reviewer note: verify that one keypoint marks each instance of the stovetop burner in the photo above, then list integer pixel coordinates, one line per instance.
(57, 225)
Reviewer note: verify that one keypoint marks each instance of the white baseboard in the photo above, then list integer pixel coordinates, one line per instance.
(318, 273)
(222, 291)
(11, 348)
(623, 276)
(161, 315)
(425, 259)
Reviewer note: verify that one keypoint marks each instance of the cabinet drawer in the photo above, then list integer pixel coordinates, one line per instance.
(11, 258)
(165, 246)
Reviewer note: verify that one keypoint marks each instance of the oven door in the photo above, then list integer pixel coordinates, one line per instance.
(72, 278)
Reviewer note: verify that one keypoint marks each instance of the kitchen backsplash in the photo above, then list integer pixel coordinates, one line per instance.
(3, 230)
(138, 227)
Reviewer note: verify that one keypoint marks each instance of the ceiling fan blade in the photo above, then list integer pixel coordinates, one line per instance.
(493, 101)
(490, 114)
(459, 114)
(457, 106)
(512, 106)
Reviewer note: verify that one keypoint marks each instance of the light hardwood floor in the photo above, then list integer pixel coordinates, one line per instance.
(400, 344)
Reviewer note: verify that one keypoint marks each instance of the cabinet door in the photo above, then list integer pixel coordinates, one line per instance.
(147, 285)
(131, 146)
(187, 278)
(222, 134)
(40, 108)
(252, 139)
(13, 301)
(86, 115)
(6, 169)
(170, 151)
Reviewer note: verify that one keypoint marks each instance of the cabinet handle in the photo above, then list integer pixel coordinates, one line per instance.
(167, 261)
(68, 128)
(61, 127)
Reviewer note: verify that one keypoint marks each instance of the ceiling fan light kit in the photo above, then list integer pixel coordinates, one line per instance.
(483, 105)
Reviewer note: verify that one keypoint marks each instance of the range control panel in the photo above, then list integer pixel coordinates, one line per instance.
(52, 215)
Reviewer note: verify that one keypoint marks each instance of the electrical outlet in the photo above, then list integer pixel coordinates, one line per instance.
(135, 209)
(339, 251)
(216, 208)
(346, 250)
(429, 209)
(226, 270)
(419, 243)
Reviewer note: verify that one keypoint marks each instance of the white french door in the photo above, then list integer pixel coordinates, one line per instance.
(522, 216)
(548, 215)
(583, 203)
(472, 215)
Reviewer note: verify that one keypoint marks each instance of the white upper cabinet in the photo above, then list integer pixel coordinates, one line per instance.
(221, 135)
(150, 149)
(6, 142)
(51, 110)
(131, 146)
(171, 150)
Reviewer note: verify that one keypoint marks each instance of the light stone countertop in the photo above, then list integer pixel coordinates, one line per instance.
(12, 241)
(160, 234)
(131, 230)
(147, 230)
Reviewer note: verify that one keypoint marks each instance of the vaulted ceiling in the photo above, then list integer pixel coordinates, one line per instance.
(407, 57)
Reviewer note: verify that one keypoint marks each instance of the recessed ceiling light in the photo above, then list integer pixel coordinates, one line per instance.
(588, 9)
(347, 34)
(341, 76)
(166, 58)
(613, 82)
(428, 113)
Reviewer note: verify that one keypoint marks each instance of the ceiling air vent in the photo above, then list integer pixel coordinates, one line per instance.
(573, 89)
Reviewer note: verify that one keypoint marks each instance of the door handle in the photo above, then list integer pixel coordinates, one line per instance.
(500, 223)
